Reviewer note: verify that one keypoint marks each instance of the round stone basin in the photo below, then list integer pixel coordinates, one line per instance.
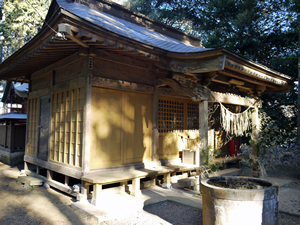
(239, 200)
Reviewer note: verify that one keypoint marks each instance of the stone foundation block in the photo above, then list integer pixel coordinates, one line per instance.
(190, 182)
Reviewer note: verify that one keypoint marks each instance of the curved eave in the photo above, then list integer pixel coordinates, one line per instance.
(241, 65)
(44, 50)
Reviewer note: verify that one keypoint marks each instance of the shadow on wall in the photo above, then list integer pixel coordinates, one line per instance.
(121, 128)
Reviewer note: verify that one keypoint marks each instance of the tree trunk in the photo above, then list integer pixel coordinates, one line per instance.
(298, 101)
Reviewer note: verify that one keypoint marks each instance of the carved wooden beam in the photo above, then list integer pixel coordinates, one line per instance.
(187, 81)
(193, 65)
(161, 82)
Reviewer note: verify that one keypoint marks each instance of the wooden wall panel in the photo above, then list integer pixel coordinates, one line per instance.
(137, 127)
(3, 134)
(106, 128)
(41, 82)
(71, 71)
(9, 136)
(32, 126)
(121, 124)
(66, 123)
(122, 72)
(168, 146)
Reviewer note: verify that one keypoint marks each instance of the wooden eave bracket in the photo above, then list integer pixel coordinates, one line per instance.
(77, 40)
(161, 82)
(87, 39)
(66, 29)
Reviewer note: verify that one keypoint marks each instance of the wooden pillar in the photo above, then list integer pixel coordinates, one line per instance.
(84, 190)
(26, 167)
(87, 119)
(136, 187)
(155, 102)
(167, 181)
(211, 143)
(67, 180)
(49, 175)
(203, 131)
(125, 187)
(6, 134)
(255, 132)
(255, 124)
(203, 126)
(97, 192)
(153, 181)
(37, 170)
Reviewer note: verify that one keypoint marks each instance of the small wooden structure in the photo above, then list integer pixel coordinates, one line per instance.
(12, 137)
(13, 124)
(115, 96)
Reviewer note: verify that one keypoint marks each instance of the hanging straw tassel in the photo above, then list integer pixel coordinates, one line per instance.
(234, 123)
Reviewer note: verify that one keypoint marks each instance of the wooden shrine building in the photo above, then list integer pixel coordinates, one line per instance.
(115, 96)
(13, 123)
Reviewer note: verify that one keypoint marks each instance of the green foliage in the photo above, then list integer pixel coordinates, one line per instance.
(270, 135)
(174, 13)
(21, 22)
(248, 27)
(271, 145)
(207, 153)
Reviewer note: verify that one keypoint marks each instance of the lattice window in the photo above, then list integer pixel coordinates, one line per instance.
(67, 126)
(32, 125)
(170, 116)
(192, 116)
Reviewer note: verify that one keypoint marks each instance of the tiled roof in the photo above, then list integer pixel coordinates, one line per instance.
(17, 116)
(128, 30)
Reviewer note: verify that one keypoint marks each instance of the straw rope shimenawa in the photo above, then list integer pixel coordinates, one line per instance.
(235, 123)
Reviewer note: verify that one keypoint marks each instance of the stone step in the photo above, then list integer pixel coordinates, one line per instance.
(32, 181)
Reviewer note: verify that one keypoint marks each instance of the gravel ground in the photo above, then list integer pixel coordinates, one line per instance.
(285, 219)
(175, 213)
(169, 212)
(166, 212)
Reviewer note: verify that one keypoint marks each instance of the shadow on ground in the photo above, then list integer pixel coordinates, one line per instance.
(175, 213)
(33, 205)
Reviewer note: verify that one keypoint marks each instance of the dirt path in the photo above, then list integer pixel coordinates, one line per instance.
(38, 205)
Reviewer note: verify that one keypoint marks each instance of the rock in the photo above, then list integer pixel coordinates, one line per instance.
(45, 185)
